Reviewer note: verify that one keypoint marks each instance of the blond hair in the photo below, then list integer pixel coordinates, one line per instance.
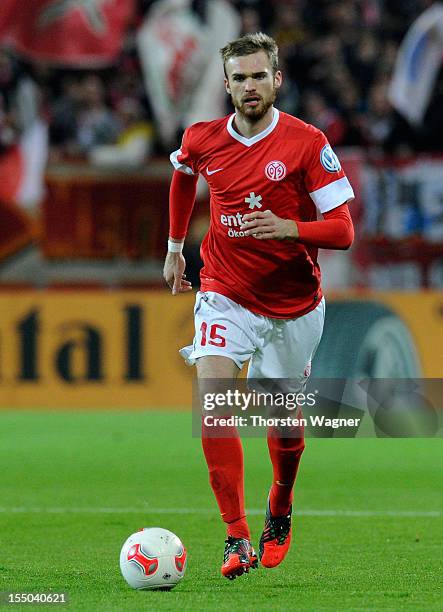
(249, 44)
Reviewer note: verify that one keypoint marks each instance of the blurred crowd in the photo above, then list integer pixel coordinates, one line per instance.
(337, 58)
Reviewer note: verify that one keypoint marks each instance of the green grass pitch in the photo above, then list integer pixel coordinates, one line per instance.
(73, 486)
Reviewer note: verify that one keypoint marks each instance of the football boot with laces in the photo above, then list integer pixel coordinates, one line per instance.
(275, 539)
(238, 557)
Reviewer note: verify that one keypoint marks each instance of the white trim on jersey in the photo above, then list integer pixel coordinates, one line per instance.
(332, 195)
(178, 165)
(250, 141)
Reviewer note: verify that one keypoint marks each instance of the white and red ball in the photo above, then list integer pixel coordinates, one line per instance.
(153, 558)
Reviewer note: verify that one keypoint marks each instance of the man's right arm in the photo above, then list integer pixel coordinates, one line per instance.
(181, 203)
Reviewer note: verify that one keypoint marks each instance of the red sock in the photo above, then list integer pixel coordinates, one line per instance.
(224, 457)
(285, 456)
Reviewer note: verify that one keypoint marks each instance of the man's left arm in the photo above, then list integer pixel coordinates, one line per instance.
(335, 231)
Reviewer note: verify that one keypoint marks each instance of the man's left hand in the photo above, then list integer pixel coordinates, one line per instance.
(264, 225)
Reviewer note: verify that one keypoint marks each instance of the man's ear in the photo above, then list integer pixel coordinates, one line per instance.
(228, 89)
(278, 79)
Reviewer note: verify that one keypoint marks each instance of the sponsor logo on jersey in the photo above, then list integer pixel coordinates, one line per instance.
(233, 222)
(329, 160)
(254, 201)
(275, 170)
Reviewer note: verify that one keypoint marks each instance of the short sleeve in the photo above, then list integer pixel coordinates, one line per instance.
(324, 178)
(183, 159)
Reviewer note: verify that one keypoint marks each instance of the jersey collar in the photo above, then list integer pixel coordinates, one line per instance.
(250, 141)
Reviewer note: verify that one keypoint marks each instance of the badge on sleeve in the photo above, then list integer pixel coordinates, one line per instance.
(329, 160)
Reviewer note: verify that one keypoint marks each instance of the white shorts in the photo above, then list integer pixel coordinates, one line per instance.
(277, 348)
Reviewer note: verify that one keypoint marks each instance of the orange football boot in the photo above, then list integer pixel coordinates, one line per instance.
(275, 539)
(238, 557)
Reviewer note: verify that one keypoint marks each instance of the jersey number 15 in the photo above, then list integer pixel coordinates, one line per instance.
(214, 338)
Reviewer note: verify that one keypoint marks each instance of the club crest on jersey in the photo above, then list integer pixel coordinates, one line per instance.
(275, 170)
(329, 160)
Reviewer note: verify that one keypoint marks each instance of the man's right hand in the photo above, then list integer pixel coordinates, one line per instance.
(173, 273)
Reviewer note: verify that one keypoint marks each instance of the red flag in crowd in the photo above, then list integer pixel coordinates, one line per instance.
(67, 32)
(7, 16)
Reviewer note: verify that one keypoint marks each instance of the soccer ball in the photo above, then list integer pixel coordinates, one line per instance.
(153, 558)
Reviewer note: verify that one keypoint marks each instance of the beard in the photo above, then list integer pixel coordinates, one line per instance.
(255, 113)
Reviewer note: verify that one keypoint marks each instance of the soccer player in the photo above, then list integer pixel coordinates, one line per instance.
(268, 174)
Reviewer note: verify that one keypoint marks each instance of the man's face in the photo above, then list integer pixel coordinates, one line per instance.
(252, 85)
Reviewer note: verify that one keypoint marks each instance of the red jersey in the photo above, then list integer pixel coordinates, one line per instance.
(288, 168)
